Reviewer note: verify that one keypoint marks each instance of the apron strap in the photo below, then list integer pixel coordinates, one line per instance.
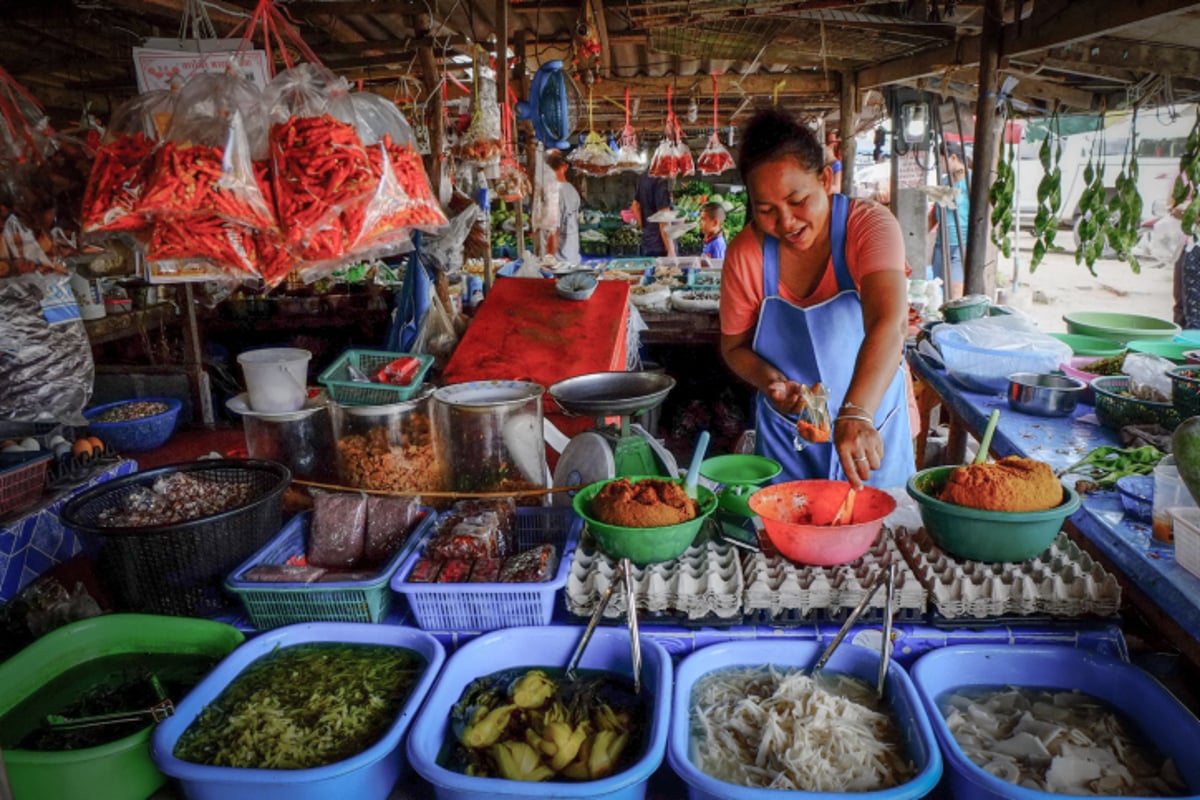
(839, 215)
(770, 254)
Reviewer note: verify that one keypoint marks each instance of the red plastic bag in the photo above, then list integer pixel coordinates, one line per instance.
(715, 159)
(672, 157)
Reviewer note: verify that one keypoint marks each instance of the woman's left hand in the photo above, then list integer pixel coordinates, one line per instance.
(860, 448)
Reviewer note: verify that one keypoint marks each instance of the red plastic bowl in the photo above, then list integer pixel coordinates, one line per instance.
(788, 511)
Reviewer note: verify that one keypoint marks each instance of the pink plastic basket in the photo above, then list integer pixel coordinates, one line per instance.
(21, 483)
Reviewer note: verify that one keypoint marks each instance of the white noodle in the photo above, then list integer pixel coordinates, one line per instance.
(780, 729)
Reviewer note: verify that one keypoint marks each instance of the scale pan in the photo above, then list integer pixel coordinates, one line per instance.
(612, 393)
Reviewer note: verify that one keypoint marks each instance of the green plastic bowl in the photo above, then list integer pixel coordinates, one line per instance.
(122, 769)
(990, 536)
(1121, 328)
(965, 308)
(1082, 345)
(1115, 410)
(1173, 351)
(643, 545)
(740, 475)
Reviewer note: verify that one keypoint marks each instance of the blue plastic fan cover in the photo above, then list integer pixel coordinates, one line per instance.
(547, 106)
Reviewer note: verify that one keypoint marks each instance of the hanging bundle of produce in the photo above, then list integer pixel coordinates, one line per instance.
(1000, 195)
(1184, 194)
(715, 159)
(628, 157)
(380, 223)
(595, 157)
(1049, 194)
(672, 157)
(513, 183)
(125, 161)
(482, 143)
(1125, 205)
(1093, 223)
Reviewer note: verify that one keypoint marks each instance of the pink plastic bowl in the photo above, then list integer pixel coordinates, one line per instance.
(1071, 369)
(788, 511)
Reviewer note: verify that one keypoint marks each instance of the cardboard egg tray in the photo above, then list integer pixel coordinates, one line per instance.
(1063, 581)
(779, 591)
(705, 583)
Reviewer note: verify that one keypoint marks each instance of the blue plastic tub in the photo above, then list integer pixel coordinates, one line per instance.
(859, 662)
(1163, 720)
(135, 435)
(541, 647)
(370, 774)
(270, 605)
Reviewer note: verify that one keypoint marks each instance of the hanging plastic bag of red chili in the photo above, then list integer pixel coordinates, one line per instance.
(664, 163)
(512, 184)
(715, 159)
(124, 162)
(402, 200)
(24, 126)
(205, 166)
(319, 166)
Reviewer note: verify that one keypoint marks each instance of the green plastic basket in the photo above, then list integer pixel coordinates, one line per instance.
(336, 379)
(271, 605)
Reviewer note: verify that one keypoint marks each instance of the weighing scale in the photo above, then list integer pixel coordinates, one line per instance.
(610, 451)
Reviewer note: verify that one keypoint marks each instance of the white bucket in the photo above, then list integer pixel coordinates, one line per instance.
(276, 378)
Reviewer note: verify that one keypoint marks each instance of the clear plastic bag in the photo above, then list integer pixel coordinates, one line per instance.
(336, 538)
(813, 423)
(715, 159)
(629, 158)
(24, 126)
(982, 353)
(672, 157)
(438, 337)
(319, 165)
(595, 157)
(545, 213)
(124, 161)
(482, 141)
(21, 253)
(1148, 375)
(205, 166)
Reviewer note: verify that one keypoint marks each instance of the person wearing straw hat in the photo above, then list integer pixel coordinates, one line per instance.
(815, 292)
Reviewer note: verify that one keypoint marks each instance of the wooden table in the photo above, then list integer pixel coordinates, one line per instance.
(681, 327)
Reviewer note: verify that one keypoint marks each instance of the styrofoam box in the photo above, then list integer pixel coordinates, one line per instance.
(1187, 538)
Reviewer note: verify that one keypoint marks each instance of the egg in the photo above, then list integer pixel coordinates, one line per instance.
(12, 448)
(82, 449)
(61, 449)
(30, 444)
(98, 445)
(56, 440)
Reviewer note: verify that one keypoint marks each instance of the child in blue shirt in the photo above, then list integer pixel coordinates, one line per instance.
(712, 217)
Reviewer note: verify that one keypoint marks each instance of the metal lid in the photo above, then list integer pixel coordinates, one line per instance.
(489, 394)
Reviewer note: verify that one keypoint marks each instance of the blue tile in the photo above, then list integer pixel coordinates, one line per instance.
(47, 534)
(8, 541)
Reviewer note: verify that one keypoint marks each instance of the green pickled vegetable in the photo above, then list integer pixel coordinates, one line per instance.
(1104, 465)
(303, 706)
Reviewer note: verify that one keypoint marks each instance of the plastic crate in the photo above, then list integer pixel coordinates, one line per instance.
(271, 605)
(356, 393)
(22, 477)
(488, 606)
(1187, 538)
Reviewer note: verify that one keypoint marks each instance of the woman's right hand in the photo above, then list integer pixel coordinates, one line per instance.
(785, 396)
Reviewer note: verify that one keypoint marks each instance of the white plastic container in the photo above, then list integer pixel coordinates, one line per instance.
(276, 378)
(89, 296)
(1187, 542)
(1169, 492)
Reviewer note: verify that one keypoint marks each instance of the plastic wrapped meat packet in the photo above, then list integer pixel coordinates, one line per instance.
(531, 566)
(506, 518)
(345, 575)
(283, 573)
(389, 521)
(486, 570)
(425, 571)
(455, 571)
(339, 524)
(467, 538)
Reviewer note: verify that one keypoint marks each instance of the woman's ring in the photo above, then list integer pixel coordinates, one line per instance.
(860, 458)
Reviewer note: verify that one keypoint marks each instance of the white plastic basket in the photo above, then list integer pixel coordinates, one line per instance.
(1187, 538)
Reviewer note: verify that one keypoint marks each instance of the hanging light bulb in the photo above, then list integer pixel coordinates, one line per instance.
(693, 110)
(637, 106)
(915, 122)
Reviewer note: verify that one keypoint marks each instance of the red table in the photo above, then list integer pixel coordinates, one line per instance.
(525, 331)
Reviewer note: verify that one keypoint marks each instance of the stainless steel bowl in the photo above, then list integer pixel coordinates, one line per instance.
(1044, 395)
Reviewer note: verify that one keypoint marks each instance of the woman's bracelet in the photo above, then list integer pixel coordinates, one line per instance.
(856, 407)
(859, 417)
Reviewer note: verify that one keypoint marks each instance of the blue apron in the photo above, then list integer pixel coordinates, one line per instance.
(820, 344)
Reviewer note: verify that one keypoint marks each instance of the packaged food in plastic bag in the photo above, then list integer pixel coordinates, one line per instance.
(467, 538)
(205, 165)
(715, 159)
(629, 159)
(124, 161)
(672, 157)
(389, 522)
(336, 538)
(595, 157)
(1149, 379)
(319, 165)
(283, 573)
(482, 141)
(813, 423)
(24, 126)
(531, 566)
(544, 215)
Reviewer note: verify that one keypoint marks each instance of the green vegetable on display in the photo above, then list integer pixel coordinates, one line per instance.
(1188, 179)
(1049, 195)
(1000, 195)
(1093, 206)
(1104, 465)
(1125, 205)
(303, 706)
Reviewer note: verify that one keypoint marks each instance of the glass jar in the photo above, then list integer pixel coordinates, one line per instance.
(489, 436)
(300, 440)
(387, 447)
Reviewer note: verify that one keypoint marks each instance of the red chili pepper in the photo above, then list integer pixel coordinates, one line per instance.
(118, 176)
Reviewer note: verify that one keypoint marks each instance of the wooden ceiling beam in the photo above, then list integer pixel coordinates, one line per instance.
(1037, 62)
(1050, 25)
(1039, 88)
(1116, 53)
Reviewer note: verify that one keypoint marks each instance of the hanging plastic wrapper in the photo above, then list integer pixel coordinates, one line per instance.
(672, 157)
(380, 224)
(482, 143)
(595, 157)
(715, 159)
(124, 163)
(24, 126)
(545, 213)
(629, 159)
(513, 184)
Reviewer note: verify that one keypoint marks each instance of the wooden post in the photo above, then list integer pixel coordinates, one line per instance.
(849, 121)
(986, 148)
(435, 110)
(193, 358)
(520, 78)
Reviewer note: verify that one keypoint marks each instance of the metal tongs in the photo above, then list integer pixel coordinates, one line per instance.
(625, 573)
(885, 577)
(157, 713)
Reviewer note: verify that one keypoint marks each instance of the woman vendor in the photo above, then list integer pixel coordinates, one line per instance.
(815, 292)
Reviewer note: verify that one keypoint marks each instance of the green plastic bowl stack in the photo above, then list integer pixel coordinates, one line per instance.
(990, 536)
(643, 545)
(1084, 345)
(1120, 328)
(1172, 351)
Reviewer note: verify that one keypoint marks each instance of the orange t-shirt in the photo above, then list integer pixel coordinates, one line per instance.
(874, 242)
